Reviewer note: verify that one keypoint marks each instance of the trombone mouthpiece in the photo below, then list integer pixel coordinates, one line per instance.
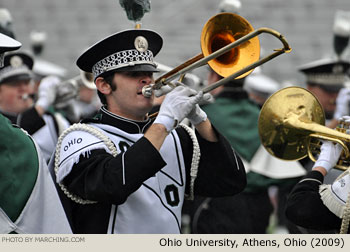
(25, 96)
(147, 91)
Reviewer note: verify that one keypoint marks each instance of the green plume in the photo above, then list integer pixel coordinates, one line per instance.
(135, 9)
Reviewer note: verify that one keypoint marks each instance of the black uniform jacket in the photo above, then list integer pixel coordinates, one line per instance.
(30, 120)
(305, 207)
(98, 177)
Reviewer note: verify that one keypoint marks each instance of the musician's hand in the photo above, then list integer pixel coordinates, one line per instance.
(47, 92)
(329, 155)
(197, 115)
(167, 88)
(208, 98)
(162, 91)
(342, 103)
(177, 105)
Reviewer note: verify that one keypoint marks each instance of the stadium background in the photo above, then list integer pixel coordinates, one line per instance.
(73, 25)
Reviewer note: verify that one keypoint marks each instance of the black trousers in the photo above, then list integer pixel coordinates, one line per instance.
(244, 213)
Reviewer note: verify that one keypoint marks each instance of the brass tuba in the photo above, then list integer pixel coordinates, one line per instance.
(291, 126)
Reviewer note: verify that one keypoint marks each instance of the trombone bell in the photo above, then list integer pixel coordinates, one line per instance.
(224, 29)
(231, 48)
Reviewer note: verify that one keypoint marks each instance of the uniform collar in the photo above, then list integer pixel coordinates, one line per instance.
(11, 117)
(130, 126)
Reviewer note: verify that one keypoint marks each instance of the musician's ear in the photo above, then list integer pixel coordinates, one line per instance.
(103, 86)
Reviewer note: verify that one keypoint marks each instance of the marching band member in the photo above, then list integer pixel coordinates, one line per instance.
(325, 78)
(317, 206)
(123, 173)
(29, 202)
(236, 117)
(17, 101)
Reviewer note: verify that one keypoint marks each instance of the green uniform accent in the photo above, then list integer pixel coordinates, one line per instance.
(234, 119)
(237, 120)
(19, 167)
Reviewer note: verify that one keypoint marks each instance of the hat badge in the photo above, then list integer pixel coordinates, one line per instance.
(16, 61)
(141, 44)
(337, 69)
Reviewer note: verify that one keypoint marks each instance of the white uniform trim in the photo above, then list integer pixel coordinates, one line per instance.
(160, 197)
(78, 127)
(336, 197)
(46, 137)
(196, 156)
(265, 164)
(43, 212)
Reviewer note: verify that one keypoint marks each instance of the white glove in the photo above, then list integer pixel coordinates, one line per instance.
(345, 118)
(208, 98)
(162, 91)
(177, 105)
(342, 103)
(329, 155)
(47, 91)
(197, 115)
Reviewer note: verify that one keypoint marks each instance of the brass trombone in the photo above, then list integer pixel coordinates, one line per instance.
(291, 126)
(230, 46)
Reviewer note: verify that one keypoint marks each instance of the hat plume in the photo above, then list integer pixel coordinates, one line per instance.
(135, 9)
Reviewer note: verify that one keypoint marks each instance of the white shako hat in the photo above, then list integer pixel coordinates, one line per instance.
(261, 85)
(7, 44)
(233, 6)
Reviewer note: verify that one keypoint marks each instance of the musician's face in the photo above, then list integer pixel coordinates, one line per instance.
(14, 97)
(326, 98)
(127, 100)
(212, 78)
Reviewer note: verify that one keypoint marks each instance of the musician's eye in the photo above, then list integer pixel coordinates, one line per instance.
(138, 74)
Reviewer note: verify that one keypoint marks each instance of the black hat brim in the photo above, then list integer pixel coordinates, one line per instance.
(19, 77)
(138, 68)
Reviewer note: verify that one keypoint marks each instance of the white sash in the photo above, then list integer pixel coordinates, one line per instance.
(43, 212)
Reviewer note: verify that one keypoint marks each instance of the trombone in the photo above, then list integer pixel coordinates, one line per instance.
(291, 126)
(230, 46)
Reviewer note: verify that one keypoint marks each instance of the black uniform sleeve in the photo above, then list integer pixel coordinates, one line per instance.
(220, 172)
(305, 208)
(104, 178)
(30, 120)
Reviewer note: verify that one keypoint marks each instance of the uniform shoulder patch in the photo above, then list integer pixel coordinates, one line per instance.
(79, 139)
